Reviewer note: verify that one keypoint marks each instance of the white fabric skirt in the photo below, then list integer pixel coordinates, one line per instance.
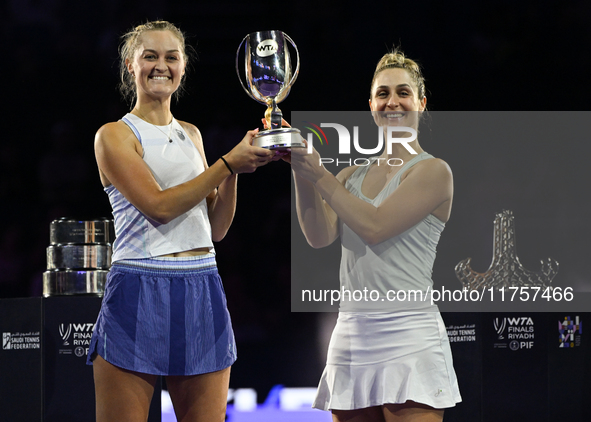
(379, 358)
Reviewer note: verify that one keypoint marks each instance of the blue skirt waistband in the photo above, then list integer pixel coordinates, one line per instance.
(169, 266)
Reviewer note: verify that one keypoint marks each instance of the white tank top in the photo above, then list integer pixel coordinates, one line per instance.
(403, 262)
(171, 163)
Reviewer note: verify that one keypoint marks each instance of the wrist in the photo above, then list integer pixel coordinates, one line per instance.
(228, 166)
(320, 174)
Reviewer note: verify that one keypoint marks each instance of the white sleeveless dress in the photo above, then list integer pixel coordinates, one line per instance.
(380, 353)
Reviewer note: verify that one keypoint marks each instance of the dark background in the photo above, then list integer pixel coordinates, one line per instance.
(60, 74)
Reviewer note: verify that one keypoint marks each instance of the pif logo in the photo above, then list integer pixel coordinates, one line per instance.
(344, 143)
(267, 48)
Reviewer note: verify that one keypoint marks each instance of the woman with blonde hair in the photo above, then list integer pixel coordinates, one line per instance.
(164, 310)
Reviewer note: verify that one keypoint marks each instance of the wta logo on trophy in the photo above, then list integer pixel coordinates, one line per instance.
(267, 48)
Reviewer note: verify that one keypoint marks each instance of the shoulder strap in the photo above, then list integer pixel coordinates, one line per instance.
(127, 120)
(420, 157)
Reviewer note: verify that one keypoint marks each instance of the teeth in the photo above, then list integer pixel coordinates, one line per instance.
(394, 115)
(160, 78)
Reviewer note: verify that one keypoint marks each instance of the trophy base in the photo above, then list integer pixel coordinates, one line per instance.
(74, 282)
(279, 139)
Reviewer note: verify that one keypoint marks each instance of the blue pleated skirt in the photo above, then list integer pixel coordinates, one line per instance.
(165, 316)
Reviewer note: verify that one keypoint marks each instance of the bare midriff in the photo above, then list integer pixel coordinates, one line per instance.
(192, 252)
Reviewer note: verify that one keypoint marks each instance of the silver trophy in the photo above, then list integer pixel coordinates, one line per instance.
(267, 67)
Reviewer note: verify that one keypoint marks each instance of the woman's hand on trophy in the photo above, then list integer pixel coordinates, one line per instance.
(307, 165)
(245, 158)
(282, 154)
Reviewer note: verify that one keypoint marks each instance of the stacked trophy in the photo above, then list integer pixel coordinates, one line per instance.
(79, 257)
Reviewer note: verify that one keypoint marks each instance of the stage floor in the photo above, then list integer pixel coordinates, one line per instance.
(263, 413)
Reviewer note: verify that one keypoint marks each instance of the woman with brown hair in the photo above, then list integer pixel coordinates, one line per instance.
(387, 361)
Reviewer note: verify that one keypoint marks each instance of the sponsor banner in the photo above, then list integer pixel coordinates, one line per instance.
(75, 338)
(570, 332)
(21, 341)
(461, 333)
(514, 333)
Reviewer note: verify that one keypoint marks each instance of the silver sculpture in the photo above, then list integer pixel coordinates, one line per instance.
(505, 269)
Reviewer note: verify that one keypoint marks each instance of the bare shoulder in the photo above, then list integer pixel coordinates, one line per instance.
(437, 166)
(115, 145)
(431, 169)
(345, 173)
(114, 132)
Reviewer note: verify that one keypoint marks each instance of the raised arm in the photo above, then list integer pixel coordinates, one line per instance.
(427, 187)
(119, 158)
(317, 219)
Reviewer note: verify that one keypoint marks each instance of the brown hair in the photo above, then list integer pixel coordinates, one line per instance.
(397, 59)
(129, 45)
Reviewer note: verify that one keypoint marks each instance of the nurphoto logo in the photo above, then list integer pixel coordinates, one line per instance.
(344, 143)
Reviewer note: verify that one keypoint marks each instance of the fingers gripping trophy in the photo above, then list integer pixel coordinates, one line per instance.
(269, 78)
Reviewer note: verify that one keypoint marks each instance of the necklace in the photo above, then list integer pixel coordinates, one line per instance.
(164, 133)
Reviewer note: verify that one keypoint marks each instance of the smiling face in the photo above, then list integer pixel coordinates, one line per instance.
(395, 99)
(158, 64)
